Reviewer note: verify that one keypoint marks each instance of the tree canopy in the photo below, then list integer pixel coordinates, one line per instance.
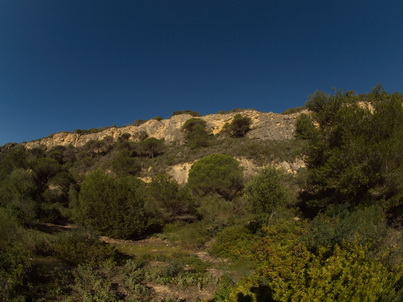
(216, 173)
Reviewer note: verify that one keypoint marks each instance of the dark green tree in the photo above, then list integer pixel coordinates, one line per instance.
(112, 206)
(123, 164)
(196, 133)
(151, 147)
(167, 201)
(216, 173)
(354, 152)
(268, 191)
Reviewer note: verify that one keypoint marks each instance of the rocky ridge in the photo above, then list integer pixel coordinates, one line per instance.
(265, 126)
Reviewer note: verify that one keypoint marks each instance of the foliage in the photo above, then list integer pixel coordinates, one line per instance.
(293, 110)
(196, 134)
(89, 131)
(354, 156)
(112, 206)
(216, 173)
(235, 242)
(365, 226)
(80, 247)
(190, 112)
(268, 191)
(17, 194)
(166, 201)
(12, 159)
(123, 164)
(239, 126)
(290, 272)
(90, 285)
(14, 257)
(151, 147)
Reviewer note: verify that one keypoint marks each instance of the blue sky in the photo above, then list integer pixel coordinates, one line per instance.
(68, 64)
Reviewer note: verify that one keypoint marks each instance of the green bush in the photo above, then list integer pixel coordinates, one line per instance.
(90, 285)
(123, 164)
(151, 147)
(355, 153)
(166, 201)
(196, 134)
(216, 173)
(190, 112)
(15, 263)
(80, 247)
(268, 190)
(235, 242)
(112, 206)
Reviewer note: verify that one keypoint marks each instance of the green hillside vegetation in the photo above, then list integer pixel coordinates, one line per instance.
(80, 224)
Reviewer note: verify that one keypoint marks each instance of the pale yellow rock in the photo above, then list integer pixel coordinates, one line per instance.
(264, 126)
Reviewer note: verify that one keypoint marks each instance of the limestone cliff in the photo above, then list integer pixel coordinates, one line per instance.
(264, 126)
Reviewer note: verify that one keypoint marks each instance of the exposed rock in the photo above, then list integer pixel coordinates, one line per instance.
(264, 126)
(180, 172)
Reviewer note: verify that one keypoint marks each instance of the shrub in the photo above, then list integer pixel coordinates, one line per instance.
(167, 201)
(15, 261)
(196, 134)
(216, 173)
(239, 126)
(151, 147)
(79, 247)
(112, 206)
(91, 285)
(190, 112)
(293, 110)
(123, 164)
(267, 191)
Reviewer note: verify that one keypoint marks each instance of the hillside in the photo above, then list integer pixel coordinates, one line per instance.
(235, 206)
(265, 126)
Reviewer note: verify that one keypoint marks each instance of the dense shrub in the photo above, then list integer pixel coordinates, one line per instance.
(112, 206)
(354, 156)
(151, 147)
(268, 190)
(166, 201)
(123, 164)
(15, 261)
(196, 133)
(80, 247)
(216, 173)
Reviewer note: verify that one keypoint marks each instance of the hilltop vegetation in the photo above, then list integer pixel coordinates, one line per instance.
(80, 224)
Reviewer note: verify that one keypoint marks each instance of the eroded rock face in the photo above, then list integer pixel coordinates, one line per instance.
(264, 126)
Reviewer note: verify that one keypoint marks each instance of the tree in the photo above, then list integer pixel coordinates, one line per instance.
(216, 173)
(123, 164)
(151, 147)
(353, 153)
(268, 191)
(166, 200)
(112, 206)
(196, 134)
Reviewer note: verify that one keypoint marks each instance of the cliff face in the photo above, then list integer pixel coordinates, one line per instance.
(264, 126)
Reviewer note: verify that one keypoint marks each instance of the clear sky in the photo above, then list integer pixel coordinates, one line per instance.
(68, 64)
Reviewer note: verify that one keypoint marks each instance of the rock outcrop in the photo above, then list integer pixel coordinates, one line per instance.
(264, 126)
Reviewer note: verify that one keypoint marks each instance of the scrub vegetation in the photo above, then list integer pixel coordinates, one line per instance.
(79, 224)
